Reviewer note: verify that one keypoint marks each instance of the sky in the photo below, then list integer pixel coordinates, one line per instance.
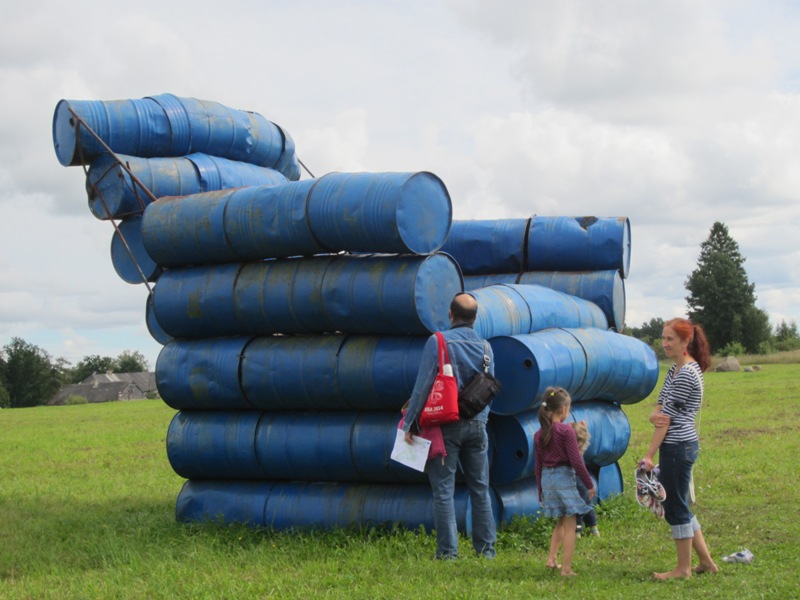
(675, 114)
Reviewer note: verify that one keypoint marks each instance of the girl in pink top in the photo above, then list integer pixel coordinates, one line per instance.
(558, 461)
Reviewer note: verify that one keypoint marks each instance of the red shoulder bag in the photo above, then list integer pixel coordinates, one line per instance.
(442, 404)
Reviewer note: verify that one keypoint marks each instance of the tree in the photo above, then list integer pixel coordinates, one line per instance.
(30, 377)
(89, 365)
(721, 298)
(131, 362)
(649, 332)
(127, 362)
(786, 336)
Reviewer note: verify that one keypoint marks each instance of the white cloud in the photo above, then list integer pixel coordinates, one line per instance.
(674, 114)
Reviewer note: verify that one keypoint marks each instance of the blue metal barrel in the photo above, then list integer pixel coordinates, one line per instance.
(514, 452)
(197, 302)
(153, 326)
(609, 481)
(331, 446)
(591, 364)
(230, 225)
(228, 502)
(512, 309)
(374, 433)
(606, 289)
(376, 372)
(287, 445)
(319, 505)
(113, 194)
(359, 212)
(520, 499)
(620, 368)
(304, 372)
(579, 244)
(214, 445)
(541, 244)
(358, 294)
(128, 255)
(202, 374)
(380, 212)
(166, 125)
(488, 246)
(362, 372)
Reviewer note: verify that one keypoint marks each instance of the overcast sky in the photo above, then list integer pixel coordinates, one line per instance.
(673, 113)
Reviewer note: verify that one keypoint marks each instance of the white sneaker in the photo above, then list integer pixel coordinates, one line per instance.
(743, 556)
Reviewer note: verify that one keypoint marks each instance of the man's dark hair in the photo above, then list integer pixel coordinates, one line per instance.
(464, 308)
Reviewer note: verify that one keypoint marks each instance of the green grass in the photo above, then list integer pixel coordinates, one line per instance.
(87, 500)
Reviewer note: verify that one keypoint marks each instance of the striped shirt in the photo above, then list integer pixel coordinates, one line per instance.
(680, 400)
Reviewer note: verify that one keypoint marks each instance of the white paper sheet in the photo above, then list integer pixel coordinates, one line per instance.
(414, 456)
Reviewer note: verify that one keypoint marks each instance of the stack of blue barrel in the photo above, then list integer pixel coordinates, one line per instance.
(551, 296)
(293, 315)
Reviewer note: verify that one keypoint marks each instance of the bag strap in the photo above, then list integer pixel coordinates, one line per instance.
(486, 360)
(443, 356)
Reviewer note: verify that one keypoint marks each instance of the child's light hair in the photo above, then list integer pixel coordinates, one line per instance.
(582, 433)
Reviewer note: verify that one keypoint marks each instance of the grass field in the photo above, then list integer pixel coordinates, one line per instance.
(87, 502)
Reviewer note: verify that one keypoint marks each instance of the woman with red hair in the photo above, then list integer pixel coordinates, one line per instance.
(676, 440)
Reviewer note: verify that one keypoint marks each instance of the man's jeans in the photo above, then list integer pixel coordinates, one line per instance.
(468, 442)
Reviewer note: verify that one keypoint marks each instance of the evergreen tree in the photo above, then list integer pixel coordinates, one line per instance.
(721, 298)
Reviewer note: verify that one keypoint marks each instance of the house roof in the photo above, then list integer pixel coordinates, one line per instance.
(145, 380)
(99, 392)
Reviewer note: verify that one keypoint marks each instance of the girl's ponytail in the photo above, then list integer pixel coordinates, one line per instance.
(554, 400)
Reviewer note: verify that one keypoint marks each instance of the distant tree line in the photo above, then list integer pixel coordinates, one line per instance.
(723, 301)
(30, 377)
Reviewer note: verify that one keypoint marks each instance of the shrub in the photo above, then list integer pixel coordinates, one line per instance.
(732, 349)
(76, 400)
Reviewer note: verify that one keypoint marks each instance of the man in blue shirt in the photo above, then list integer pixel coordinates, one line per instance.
(464, 440)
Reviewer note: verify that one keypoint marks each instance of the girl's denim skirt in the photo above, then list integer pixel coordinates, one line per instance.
(560, 496)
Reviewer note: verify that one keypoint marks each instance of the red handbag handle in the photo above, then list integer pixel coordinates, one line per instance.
(443, 356)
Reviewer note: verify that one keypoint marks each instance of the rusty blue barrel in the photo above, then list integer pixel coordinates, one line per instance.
(114, 194)
(520, 499)
(230, 225)
(514, 454)
(364, 372)
(606, 289)
(541, 244)
(393, 213)
(240, 502)
(488, 246)
(579, 244)
(166, 125)
(214, 445)
(609, 481)
(301, 372)
(380, 212)
(513, 309)
(591, 364)
(287, 445)
(399, 294)
(319, 505)
(128, 255)
(153, 326)
(202, 374)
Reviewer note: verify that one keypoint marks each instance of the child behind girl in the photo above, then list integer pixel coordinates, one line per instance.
(590, 518)
(558, 461)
